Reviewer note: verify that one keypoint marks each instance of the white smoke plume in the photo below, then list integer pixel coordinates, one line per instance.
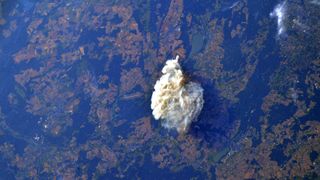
(174, 100)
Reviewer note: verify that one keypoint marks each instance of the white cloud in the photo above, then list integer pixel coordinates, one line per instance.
(279, 13)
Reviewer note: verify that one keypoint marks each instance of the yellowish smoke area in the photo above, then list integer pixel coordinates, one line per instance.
(176, 102)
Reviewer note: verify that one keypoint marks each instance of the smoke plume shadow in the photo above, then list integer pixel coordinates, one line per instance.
(214, 123)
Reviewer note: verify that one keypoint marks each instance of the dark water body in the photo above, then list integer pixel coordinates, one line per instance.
(134, 109)
(97, 67)
(259, 10)
(115, 70)
(90, 36)
(150, 170)
(7, 7)
(10, 46)
(248, 109)
(5, 171)
(19, 144)
(22, 122)
(198, 7)
(19, 121)
(313, 155)
(80, 117)
(280, 113)
(279, 156)
(85, 133)
(27, 5)
(131, 111)
(233, 57)
(145, 16)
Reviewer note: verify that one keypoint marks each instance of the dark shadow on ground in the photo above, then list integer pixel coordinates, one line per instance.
(214, 125)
